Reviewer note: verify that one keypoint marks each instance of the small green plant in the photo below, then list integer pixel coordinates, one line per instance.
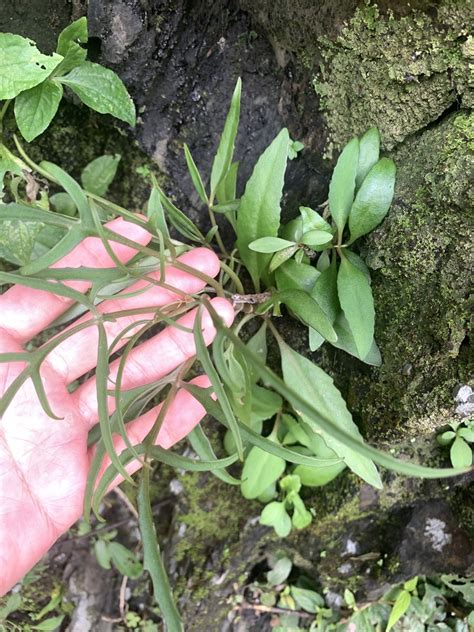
(288, 425)
(458, 438)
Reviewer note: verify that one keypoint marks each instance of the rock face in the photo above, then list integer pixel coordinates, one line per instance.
(326, 70)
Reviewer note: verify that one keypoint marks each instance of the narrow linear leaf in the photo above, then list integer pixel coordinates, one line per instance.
(195, 175)
(401, 605)
(259, 212)
(355, 297)
(202, 446)
(225, 151)
(227, 189)
(341, 188)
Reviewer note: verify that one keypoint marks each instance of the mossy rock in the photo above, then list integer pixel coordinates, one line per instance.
(397, 73)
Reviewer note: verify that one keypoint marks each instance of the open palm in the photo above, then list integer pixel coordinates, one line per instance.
(44, 462)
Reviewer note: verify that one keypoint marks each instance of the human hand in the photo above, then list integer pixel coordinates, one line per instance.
(44, 462)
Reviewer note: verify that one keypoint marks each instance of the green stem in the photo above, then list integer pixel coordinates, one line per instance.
(238, 284)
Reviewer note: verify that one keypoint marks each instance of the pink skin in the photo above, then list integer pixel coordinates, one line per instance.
(44, 462)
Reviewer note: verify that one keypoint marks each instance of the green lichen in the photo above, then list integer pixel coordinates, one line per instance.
(397, 73)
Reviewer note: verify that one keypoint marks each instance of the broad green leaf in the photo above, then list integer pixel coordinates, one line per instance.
(97, 176)
(296, 276)
(314, 238)
(35, 108)
(467, 434)
(446, 437)
(265, 404)
(280, 571)
(102, 90)
(17, 240)
(22, 66)
(48, 625)
(315, 340)
(76, 32)
(323, 261)
(318, 476)
(345, 341)
(341, 188)
(317, 388)
(369, 148)
(125, 560)
(307, 310)
(411, 584)
(355, 297)
(63, 203)
(313, 221)
(102, 553)
(69, 46)
(373, 199)
(195, 175)
(281, 256)
(293, 230)
(460, 453)
(259, 212)
(401, 605)
(308, 600)
(358, 262)
(225, 151)
(324, 292)
(301, 517)
(269, 244)
(260, 470)
(275, 515)
(269, 494)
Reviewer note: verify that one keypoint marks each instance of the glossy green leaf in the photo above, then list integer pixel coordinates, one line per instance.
(225, 151)
(125, 560)
(69, 45)
(307, 310)
(269, 244)
(401, 605)
(460, 453)
(22, 66)
(265, 404)
(275, 515)
(345, 341)
(355, 297)
(281, 256)
(369, 149)
(296, 276)
(307, 600)
(102, 553)
(311, 220)
(259, 212)
(97, 176)
(314, 238)
(318, 476)
(446, 438)
(195, 175)
(260, 470)
(316, 387)
(341, 188)
(102, 90)
(62, 203)
(373, 199)
(35, 108)
(293, 230)
(301, 517)
(280, 571)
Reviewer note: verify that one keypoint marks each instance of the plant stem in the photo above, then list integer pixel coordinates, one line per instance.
(238, 284)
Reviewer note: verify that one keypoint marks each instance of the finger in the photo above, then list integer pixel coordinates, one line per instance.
(25, 312)
(183, 414)
(154, 358)
(78, 354)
